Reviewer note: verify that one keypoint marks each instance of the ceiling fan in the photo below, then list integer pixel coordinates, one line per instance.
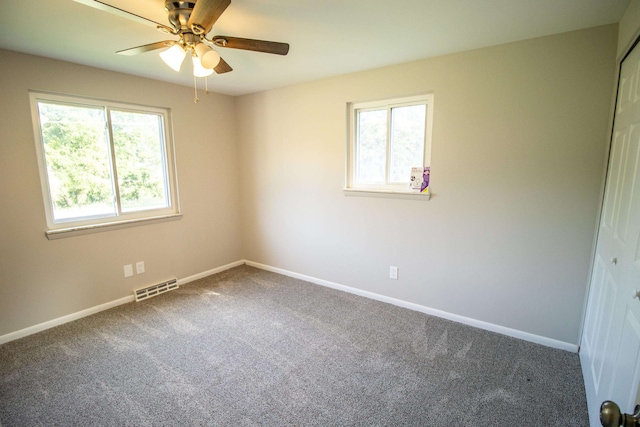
(191, 21)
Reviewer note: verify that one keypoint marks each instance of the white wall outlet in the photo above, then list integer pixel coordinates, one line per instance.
(128, 270)
(140, 267)
(393, 273)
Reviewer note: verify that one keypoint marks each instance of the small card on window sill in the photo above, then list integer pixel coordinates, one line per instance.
(420, 179)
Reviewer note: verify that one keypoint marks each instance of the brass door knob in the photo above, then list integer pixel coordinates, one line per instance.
(611, 416)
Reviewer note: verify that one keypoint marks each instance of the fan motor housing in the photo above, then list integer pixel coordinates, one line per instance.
(179, 13)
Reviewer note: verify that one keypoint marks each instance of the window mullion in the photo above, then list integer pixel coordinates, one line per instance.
(387, 171)
(354, 148)
(114, 169)
(426, 150)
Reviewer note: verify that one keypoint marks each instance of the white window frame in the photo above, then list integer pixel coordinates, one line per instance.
(353, 108)
(67, 228)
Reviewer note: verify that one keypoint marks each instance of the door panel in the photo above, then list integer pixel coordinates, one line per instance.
(627, 368)
(617, 147)
(597, 290)
(623, 198)
(604, 326)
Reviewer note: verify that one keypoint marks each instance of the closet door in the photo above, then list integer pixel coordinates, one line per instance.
(610, 346)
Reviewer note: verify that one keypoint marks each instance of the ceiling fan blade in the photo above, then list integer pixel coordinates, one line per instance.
(112, 8)
(251, 44)
(147, 47)
(206, 12)
(222, 67)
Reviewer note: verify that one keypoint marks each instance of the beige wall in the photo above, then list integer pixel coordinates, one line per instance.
(519, 143)
(42, 280)
(520, 136)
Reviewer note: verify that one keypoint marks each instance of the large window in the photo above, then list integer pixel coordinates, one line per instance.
(103, 162)
(386, 140)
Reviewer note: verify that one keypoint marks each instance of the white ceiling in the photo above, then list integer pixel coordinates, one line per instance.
(327, 37)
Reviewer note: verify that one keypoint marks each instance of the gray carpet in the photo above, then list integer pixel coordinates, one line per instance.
(247, 347)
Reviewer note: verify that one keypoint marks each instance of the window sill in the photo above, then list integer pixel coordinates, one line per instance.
(79, 230)
(366, 192)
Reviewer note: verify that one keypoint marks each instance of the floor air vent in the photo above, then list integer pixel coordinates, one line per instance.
(152, 291)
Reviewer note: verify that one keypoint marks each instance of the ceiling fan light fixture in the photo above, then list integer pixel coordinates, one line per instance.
(199, 70)
(173, 56)
(191, 21)
(209, 58)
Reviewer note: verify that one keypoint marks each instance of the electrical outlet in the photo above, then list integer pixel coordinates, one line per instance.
(393, 273)
(140, 267)
(128, 270)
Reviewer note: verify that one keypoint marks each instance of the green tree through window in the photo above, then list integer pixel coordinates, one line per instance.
(139, 156)
(77, 157)
(102, 161)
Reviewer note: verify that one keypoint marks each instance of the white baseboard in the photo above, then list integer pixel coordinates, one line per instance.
(210, 272)
(549, 342)
(93, 310)
(64, 319)
(537, 339)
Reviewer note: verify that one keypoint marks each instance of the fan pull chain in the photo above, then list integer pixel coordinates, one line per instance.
(206, 85)
(195, 90)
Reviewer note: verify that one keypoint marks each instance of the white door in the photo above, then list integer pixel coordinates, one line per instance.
(610, 346)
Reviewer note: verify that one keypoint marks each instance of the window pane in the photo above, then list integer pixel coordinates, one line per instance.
(407, 141)
(371, 148)
(138, 139)
(76, 154)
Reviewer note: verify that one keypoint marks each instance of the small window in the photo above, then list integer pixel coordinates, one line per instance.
(386, 140)
(103, 162)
